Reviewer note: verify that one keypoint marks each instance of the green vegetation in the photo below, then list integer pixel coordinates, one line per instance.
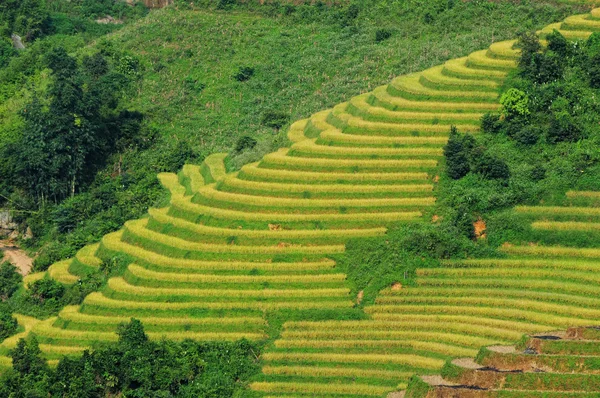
(133, 366)
(257, 251)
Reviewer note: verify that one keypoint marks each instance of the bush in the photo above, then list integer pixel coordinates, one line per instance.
(382, 34)
(457, 153)
(491, 167)
(226, 4)
(9, 280)
(244, 73)
(593, 71)
(46, 290)
(514, 103)
(529, 135)
(245, 142)
(490, 123)
(8, 324)
(275, 119)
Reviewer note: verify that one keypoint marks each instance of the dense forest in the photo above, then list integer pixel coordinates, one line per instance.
(89, 117)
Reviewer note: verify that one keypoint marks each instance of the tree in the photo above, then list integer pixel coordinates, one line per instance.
(65, 142)
(514, 103)
(457, 154)
(132, 334)
(9, 280)
(8, 324)
(26, 358)
(28, 18)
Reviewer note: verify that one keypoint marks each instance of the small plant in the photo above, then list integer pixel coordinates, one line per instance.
(275, 119)
(226, 4)
(382, 34)
(244, 73)
(244, 143)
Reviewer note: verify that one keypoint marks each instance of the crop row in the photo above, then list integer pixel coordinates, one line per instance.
(275, 202)
(553, 251)
(276, 187)
(360, 106)
(114, 243)
(98, 300)
(585, 301)
(72, 314)
(138, 228)
(204, 278)
(280, 158)
(118, 284)
(161, 216)
(276, 217)
(544, 263)
(321, 177)
(534, 312)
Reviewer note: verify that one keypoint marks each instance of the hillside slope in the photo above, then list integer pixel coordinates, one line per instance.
(232, 249)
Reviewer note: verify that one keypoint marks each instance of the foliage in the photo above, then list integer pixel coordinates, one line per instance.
(134, 367)
(540, 147)
(28, 18)
(8, 324)
(244, 73)
(382, 34)
(275, 119)
(64, 143)
(514, 103)
(376, 263)
(245, 142)
(9, 280)
(457, 153)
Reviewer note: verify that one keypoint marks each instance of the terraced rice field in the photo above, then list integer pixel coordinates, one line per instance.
(232, 248)
(557, 364)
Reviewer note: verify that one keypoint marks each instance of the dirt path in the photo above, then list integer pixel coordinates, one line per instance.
(16, 256)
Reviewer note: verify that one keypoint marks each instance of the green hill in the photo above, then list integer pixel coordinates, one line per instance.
(234, 249)
(251, 253)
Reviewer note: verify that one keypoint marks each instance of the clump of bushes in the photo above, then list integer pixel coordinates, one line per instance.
(382, 34)
(244, 73)
(464, 155)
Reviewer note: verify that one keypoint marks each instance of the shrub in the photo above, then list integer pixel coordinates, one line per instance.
(457, 153)
(490, 123)
(226, 4)
(491, 167)
(244, 73)
(46, 289)
(8, 324)
(558, 44)
(275, 119)
(9, 280)
(382, 34)
(563, 126)
(594, 71)
(193, 85)
(514, 103)
(528, 135)
(245, 142)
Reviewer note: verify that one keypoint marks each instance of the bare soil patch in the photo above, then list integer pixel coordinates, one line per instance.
(16, 256)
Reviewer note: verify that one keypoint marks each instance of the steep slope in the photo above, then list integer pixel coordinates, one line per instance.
(455, 309)
(231, 249)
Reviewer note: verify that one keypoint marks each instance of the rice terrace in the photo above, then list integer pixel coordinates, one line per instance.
(201, 227)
